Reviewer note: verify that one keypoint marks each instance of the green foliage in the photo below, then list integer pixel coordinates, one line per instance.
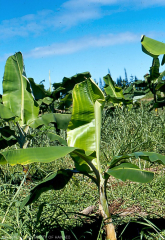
(56, 181)
(17, 94)
(152, 47)
(155, 79)
(7, 137)
(62, 91)
(83, 131)
(115, 94)
(80, 193)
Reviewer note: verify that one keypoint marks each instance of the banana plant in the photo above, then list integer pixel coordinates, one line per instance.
(19, 108)
(20, 103)
(124, 97)
(83, 145)
(62, 93)
(136, 90)
(114, 94)
(155, 79)
(17, 96)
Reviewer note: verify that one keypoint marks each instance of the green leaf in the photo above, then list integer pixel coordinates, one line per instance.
(148, 156)
(111, 90)
(56, 93)
(53, 137)
(161, 83)
(38, 90)
(44, 119)
(62, 120)
(44, 155)
(82, 160)
(65, 102)
(154, 70)
(7, 133)
(114, 94)
(152, 47)
(17, 95)
(47, 100)
(128, 90)
(6, 113)
(83, 129)
(31, 155)
(129, 171)
(69, 83)
(140, 83)
(55, 181)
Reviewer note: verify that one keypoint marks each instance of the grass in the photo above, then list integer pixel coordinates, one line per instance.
(59, 212)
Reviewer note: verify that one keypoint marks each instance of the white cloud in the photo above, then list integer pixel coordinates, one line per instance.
(70, 13)
(35, 24)
(81, 44)
(23, 26)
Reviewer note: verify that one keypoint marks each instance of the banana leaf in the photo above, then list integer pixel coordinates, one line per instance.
(57, 92)
(114, 94)
(42, 154)
(7, 137)
(31, 155)
(161, 83)
(129, 171)
(152, 47)
(47, 100)
(148, 156)
(54, 137)
(69, 83)
(83, 132)
(55, 181)
(44, 119)
(84, 128)
(62, 120)
(38, 90)
(154, 70)
(66, 102)
(111, 89)
(17, 92)
(6, 113)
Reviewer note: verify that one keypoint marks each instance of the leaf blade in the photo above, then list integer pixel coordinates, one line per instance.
(128, 171)
(17, 95)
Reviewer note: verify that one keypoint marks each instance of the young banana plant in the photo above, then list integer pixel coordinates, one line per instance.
(83, 145)
(155, 79)
(18, 105)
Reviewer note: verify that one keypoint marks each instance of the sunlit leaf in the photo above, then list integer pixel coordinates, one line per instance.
(129, 171)
(31, 155)
(83, 126)
(17, 92)
(152, 47)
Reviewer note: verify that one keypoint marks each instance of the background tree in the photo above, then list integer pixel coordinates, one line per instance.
(126, 77)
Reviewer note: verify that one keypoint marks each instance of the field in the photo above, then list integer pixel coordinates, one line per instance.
(61, 214)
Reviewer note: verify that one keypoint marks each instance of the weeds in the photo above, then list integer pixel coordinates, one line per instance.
(123, 131)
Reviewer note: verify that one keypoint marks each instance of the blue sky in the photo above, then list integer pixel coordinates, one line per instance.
(74, 36)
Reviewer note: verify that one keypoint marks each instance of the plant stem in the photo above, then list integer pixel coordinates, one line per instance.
(105, 213)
